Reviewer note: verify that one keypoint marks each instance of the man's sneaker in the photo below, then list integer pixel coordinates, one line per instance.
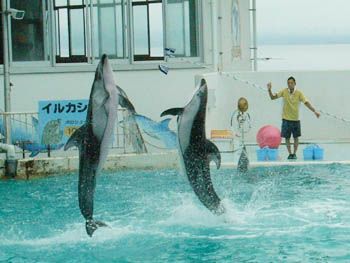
(294, 157)
(290, 157)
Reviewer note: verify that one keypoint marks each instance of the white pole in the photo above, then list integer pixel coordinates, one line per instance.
(215, 34)
(6, 73)
(255, 47)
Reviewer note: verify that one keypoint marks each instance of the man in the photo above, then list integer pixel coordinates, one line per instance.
(290, 116)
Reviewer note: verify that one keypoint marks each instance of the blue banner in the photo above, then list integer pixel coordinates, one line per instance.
(58, 119)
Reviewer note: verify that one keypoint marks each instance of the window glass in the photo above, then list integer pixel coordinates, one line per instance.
(140, 30)
(70, 31)
(182, 27)
(148, 30)
(109, 33)
(156, 30)
(27, 35)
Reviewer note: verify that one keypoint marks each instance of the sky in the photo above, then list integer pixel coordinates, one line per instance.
(303, 21)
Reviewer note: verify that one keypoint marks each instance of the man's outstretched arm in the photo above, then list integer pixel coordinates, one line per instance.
(272, 96)
(312, 109)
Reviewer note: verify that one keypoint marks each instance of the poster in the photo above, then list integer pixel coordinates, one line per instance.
(58, 119)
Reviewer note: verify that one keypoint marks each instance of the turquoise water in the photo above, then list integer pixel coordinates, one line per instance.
(280, 214)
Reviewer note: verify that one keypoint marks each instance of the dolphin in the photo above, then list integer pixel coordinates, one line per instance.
(195, 150)
(243, 162)
(94, 137)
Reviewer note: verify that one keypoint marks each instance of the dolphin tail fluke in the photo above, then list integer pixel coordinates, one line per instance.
(172, 111)
(213, 153)
(92, 225)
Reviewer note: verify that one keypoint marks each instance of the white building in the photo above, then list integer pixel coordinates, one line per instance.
(54, 51)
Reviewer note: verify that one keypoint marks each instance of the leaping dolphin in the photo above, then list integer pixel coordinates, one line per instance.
(95, 136)
(195, 150)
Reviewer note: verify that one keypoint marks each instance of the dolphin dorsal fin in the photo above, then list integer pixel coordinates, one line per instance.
(76, 137)
(172, 111)
(213, 153)
(126, 103)
(165, 123)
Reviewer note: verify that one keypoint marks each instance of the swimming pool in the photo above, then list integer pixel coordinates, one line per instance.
(279, 214)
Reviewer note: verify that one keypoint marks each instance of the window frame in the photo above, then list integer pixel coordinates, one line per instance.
(128, 63)
(47, 32)
(71, 58)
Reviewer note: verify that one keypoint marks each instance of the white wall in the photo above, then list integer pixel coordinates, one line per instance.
(150, 91)
(225, 39)
(326, 90)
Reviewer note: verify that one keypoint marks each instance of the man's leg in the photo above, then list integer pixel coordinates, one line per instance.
(288, 146)
(296, 143)
(296, 131)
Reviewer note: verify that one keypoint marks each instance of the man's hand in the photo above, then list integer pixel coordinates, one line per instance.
(317, 114)
(269, 86)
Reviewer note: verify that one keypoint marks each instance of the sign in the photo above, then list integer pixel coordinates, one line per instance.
(58, 119)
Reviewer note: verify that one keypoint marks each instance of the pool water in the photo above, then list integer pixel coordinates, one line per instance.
(279, 214)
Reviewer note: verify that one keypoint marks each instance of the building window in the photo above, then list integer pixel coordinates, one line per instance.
(70, 31)
(109, 34)
(83, 30)
(29, 36)
(182, 27)
(148, 29)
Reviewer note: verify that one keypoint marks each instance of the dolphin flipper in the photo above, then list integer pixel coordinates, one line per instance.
(76, 137)
(213, 153)
(172, 111)
(92, 225)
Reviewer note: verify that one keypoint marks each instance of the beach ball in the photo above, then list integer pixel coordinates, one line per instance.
(269, 136)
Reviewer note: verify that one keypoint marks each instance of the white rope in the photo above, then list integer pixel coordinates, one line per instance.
(255, 85)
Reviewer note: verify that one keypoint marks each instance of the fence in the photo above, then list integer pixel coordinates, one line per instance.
(26, 137)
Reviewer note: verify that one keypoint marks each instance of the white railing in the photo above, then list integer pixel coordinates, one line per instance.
(25, 135)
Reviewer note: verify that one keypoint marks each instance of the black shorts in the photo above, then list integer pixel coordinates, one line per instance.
(289, 128)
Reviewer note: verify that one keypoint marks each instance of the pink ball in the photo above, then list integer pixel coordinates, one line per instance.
(269, 136)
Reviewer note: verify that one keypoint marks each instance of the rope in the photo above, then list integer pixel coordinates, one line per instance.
(255, 85)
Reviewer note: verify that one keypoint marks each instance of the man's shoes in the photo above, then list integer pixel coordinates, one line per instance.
(292, 157)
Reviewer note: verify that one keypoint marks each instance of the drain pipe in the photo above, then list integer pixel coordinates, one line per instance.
(11, 161)
(5, 17)
(255, 47)
(214, 26)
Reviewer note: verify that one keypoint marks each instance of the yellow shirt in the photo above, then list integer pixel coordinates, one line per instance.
(291, 103)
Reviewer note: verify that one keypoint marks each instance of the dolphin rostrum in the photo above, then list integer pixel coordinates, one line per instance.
(95, 136)
(195, 150)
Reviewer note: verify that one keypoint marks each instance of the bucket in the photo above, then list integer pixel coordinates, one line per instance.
(318, 153)
(272, 154)
(308, 153)
(261, 154)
